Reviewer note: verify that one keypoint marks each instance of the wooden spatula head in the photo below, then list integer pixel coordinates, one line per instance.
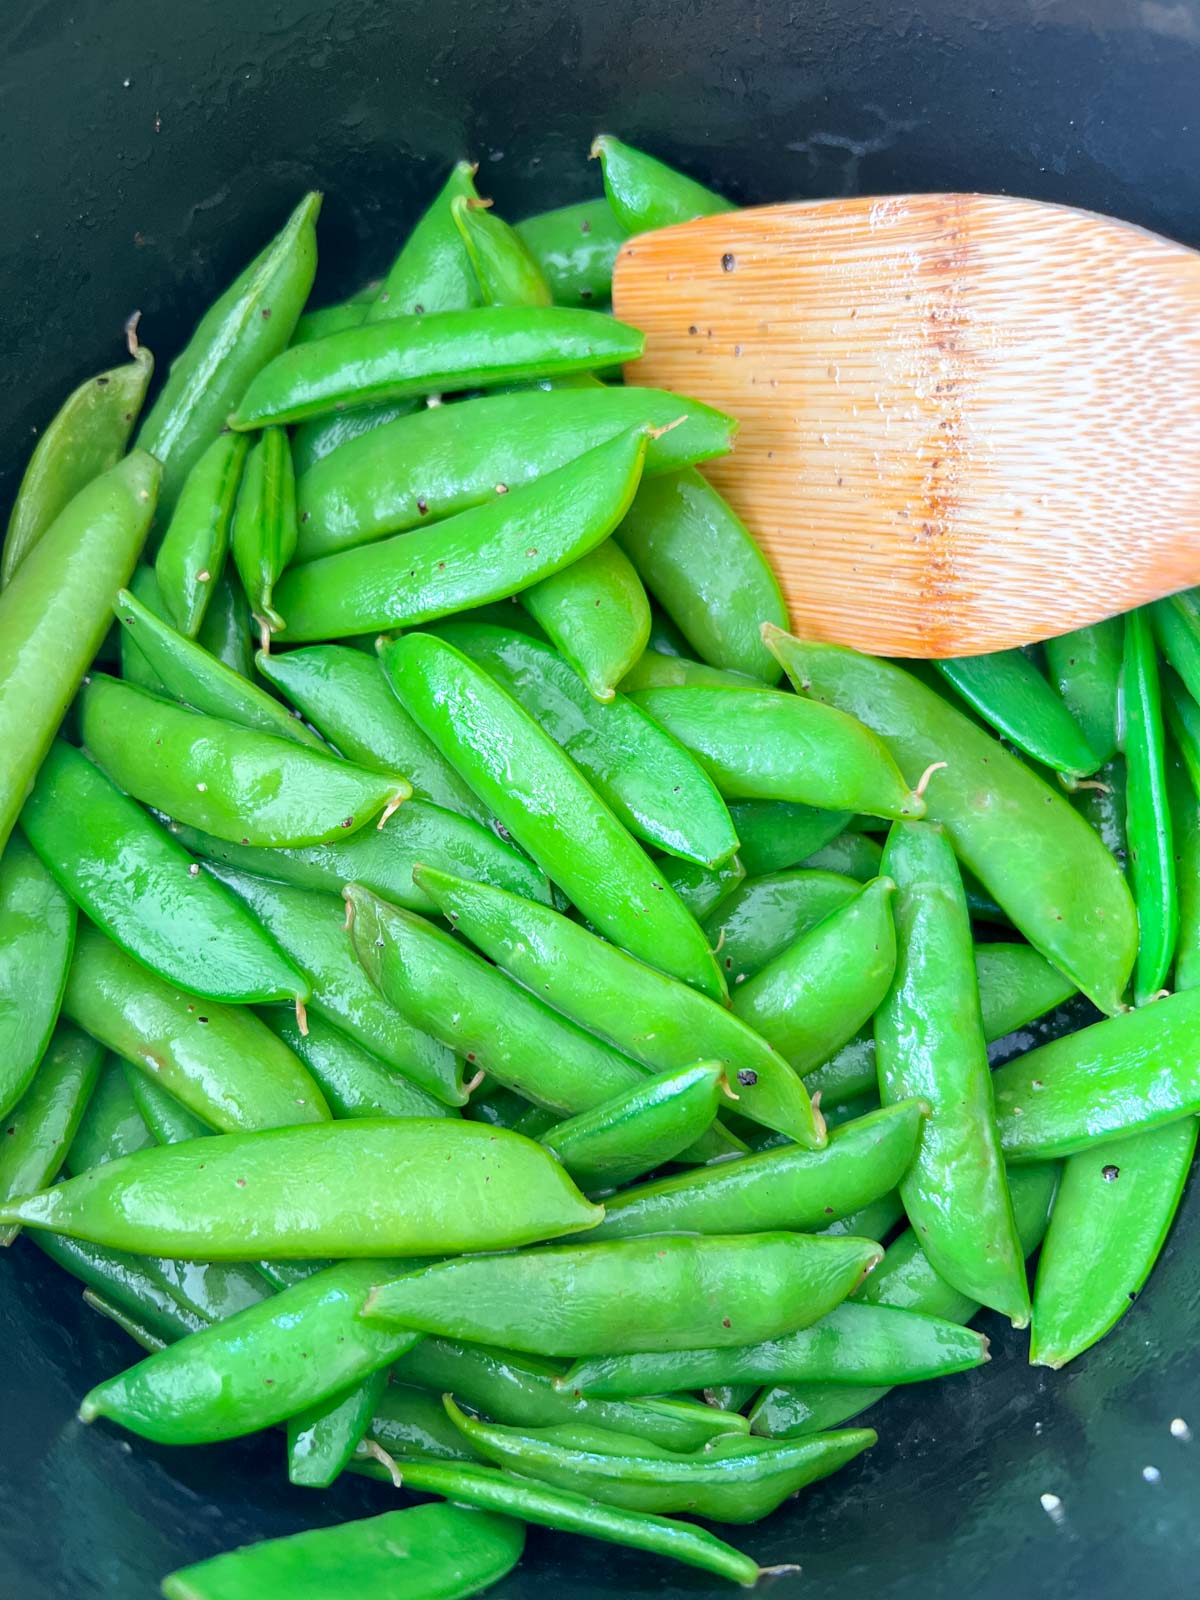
(967, 421)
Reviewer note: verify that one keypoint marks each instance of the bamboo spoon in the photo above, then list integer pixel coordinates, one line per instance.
(967, 421)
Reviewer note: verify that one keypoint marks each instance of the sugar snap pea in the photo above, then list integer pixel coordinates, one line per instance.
(765, 914)
(313, 441)
(776, 834)
(1183, 720)
(575, 246)
(554, 814)
(432, 271)
(597, 614)
(652, 1017)
(135, 668)
(168, 1119)
(111, 1125)
(36, 1133)
(854, 855)
(323, 1437)
(646, 193)
(1148, 812)
(355, 1083)
(1185, 830)
(655, 669)
(264, 530)
(1176, 624)
(129, 1282)
(701, 888)
(137, 1327)
(37, 935)
(1044, 865)
(503, 264)
(413, 1422)
(1086, 668)
(1103, 807)
(193, 549)
(1011, 695)
(225, 630)
(331, 318)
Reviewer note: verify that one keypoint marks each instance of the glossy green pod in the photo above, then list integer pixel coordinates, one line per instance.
(441, 986)
(313, 441)
(485, 553)
(355, 1083)
(1041, 861)
(554, 815)
(111, 1125)
(234, 782)
(504, 267)
(193, 549)
(56, 611)
(1183, 720)
(815, 995)
(262, 538)
(646, 193)
(1013, 697)
(328, 319)
(1185, 830)
(1085, 666)
(659, 791)
(698, 560)
(597, 615)
(658, 1021)
(86, 437)
(135, 668)
(141, 887)
(244, 330)
(219, 1061)
(1147, 810)
(322, 1438)
(853, 855)
(1176, 623)
(417, 355)
(432, 271)
(1103, 807)
(765, 914)
(776, 834)
(656, 669)
(664, 1293)
(575, 246)
(137, 1327)
(759, 744)
(36, 1133)
(168, 1119)
(225, 630)
(128, 1282)
(37, 935)
(702, 888)
(413, 1422)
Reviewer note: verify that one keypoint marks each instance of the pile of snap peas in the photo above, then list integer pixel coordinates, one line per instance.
(478, 995)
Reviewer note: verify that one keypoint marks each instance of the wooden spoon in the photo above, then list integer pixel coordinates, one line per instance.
(967, 421)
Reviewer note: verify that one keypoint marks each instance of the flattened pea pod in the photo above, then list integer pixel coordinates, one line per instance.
(776, 834)
(1010, 694)
(135, 668)
(485, 553)
(225, 631)
(657, 669)
(330, 319)
(554, 814)
(391, 360)
(125, 1281)
(655, 1019)
(219, 1061)
(168, 1119)
(410, 1421)
(1086, 668)
(504, 267)
(263, 535)
(1185, 829)
(1039, 858)
(575, 246)
(701, 888)
(234, 782)
(1147, 810)
(764, 914)
(37, 1132)
(193, 549)
(596, 612)
(432, 271)
(56, 611)
(143, 889)
(322, 1438)
(1176, 622)
(646, 193)
(37, 935)
(668, 1293)
(353, 1081)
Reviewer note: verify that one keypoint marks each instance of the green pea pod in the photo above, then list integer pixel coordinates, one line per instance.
(1148, 811)
(447, 459)
(214, 1290)
(329, 319)
(167, 1118)
(765, 914)
(225, 630)
(1013, 697)
(143, 889)
(354, 1082)
(554, 814)
(37, 1132)
(759, 744)
(416, 355)
(135, 667)
(929, 1041)
(37, 934)
(876, 1220)
(137, 1327)
(193, 550)
(655, 670)
(1124, 1075)
(652, 784)
(344, 693)
(575, 246)
(1102, 804)
(234, 782)
(55, 613)
(433, 271)
(636, 1131)
(698, 560)
(786, 1187)
(1085, 666)
(190, 674)
(263, 534)
(645, 193)
(1044, 865)
(241, 333)
(111, 1125)
(702, 889)
(412, 1422)
(503, 264)
(1114, 1209)
(1176, 623)
(817, 993)
(1185, 829)
(219, 1061)
(87, 437)
(528, 1392)
(480, 1014)
(664, 1293)
(1183, 720)
(596, 612)
(776, 834)
(322, 1438)
(854, 1343)
(128, 1282)
(313, 441)
(485, 553)
(308, 1186)
(853, 855)
(311, 928)
(658, 1021)
(904, 1279)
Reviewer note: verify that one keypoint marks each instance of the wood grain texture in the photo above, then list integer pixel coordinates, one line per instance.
(967, 421)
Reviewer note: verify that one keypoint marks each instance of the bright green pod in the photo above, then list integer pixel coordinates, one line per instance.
(193, 549)
(143, 591)
(653, 785)
(646, 193)
(1085, 667)
(262, 538)
(140, 886)
(219, 1061)
(432, 271)
(324, 320)
(701, 888)
(504, 267)
(137, 1327)
(554, 815)
(1147, 810)
(575, 246)
(230, 781)
(765, 914)
(597, 615)
(313, 441)
(851, 855)
(443, 987)
(663, 1293)
(1176, 623)
(1183, 720)
(37, 1132)
(657, 1020)
(486, 553)
(87, 436)
(1013, 697)
(328, 1190)
(322, 1438)
(413, 1422)
(127, 1282)
(816, 994)
(418, 355)
(214, 1290)
(1028, 847)
(1185, 830)
(776, 834)
(225, 630)
(355, 1083)
(111, 1125)
(1102, 804)
(168, 1119)
(241, 333)
(311, 928)
(56, 611)
(637, 1131)
(700, 563)
(654, 669)
(37, 935)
